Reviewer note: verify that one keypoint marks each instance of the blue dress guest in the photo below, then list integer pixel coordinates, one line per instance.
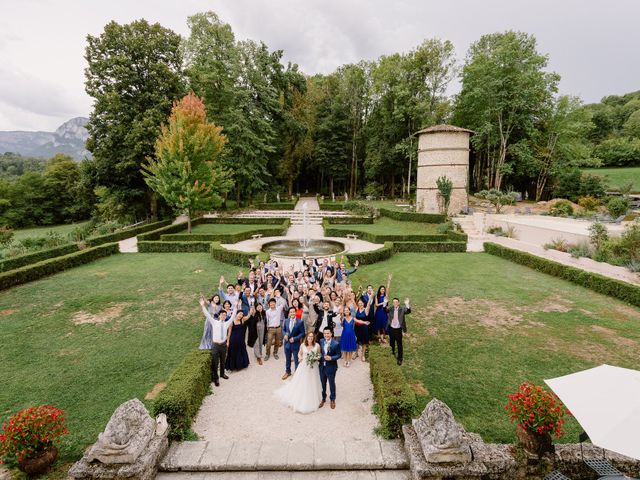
(348, 344)
(362, 325)
(237, 357)
(381, 313)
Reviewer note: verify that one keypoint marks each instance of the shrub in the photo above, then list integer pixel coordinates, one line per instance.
(430, 247)
(225, 237)
(6, 236)
(573, 184)
(35, 257)
(276, 206)
(593, 281)
(580, 250)
(349, 220)
(598, 235)
(562, 208)
(413, 216)
(559, 244)
(173, 247)
(374, 256)
(618, 206)
(589, 203)
(498, 198)
(445, 187)
(55, 265)
(445, 227)
(31, 431)
(373, 189)
(180, 400)
(126, 233)
(395, 400)
(233, 257)
(627, 246)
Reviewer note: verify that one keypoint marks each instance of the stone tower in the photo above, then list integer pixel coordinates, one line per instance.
(443, 150)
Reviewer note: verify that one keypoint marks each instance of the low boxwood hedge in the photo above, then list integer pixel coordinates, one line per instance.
(173, 247)
(180, 400)
(128, 233)
(413, 216)
(395, 400)
(433, 247)
(54, 265)
(598, 283)
(225, 237)
(333, 206)
(35, 257)
(373, 256)
(276, 206)
(245, 220)
(174, 228)
(234, 257)
(349, 220)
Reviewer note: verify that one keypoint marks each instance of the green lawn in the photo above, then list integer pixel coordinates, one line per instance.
(227, 228)
(35, 232)
(617, 177)
(388, 226)
(482, 325)
(90, 338)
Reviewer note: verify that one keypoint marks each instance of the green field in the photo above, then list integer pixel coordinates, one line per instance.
(36, 232)
(617, 177)
(388, 226)
(90, 338)
(220, 228)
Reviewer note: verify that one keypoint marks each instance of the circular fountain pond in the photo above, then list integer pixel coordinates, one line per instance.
(297, 248)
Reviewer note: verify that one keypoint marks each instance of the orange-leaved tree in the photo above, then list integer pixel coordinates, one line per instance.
(186, 170)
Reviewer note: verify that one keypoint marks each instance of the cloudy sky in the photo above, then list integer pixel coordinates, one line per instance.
(592, 44)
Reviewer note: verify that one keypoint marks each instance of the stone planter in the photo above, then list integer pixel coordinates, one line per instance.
(40, 463)
(535, 443)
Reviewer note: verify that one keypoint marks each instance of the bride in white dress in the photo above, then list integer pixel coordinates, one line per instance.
(303, 392)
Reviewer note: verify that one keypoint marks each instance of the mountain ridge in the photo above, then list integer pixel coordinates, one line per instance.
(69, 138)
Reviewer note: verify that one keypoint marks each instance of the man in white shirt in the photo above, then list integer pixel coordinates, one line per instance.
(219, 330)
(397, 326)
(274, 329)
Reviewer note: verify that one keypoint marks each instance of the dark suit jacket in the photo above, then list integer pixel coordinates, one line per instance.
(330, 314)
(334, 353)
(402, 311)
(297, 333)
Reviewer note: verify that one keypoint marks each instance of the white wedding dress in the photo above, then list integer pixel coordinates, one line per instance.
(303, 392)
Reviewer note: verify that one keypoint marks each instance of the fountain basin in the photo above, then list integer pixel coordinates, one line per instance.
(295, 248)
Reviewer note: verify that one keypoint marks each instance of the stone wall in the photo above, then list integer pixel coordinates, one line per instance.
(442, 153)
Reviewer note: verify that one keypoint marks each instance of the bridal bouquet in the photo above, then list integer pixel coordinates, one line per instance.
(312, 357)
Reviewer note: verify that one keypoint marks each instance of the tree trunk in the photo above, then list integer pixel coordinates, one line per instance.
(153, 205)
(331, 186)
(290, 185)
(352, 187)
(409, 173)
(238, 197)
(189, 222)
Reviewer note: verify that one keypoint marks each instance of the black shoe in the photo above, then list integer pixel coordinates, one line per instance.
(216, 383)
(224, 376)
(399, 362)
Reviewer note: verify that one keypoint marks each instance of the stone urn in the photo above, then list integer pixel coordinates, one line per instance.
(535, 443)
(39, 463)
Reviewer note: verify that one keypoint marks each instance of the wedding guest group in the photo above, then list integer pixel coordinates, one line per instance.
(300, 311)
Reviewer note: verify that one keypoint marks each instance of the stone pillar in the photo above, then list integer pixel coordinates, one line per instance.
(443, 150)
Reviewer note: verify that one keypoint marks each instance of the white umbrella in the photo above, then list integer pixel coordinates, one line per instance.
(605, 401)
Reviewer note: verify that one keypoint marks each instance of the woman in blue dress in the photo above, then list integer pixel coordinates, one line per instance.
(348, 344)
(237, 356)
(214, 308)
(382, 315)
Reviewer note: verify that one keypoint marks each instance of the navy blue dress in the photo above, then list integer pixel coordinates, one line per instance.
(237, 357)
(362, 331)
(381, 315)
(348, 338)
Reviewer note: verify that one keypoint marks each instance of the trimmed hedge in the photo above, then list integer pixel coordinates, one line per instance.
(174, 228)
(244, 220)
(35, 257)
(367, 258)
(598, 283)
(413, 216)
(395, 400)
(424, 247)
(225, 237)
(55, 265)
(333, 206)
(180, 400)
(234, 257)
(128, 233)
(349, 220)
(276, 206)
(173, 247)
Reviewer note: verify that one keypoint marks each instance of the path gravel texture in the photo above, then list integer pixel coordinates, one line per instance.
(244, 408)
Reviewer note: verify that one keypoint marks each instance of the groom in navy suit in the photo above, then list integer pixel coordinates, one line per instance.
(328, 366)
(293, 332)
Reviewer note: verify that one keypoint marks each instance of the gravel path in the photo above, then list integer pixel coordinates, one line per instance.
(244, 407)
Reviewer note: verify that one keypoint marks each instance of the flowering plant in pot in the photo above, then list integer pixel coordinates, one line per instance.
(27, 438)
(538, 414)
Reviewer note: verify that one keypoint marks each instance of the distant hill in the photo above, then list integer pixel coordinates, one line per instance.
(69, 138)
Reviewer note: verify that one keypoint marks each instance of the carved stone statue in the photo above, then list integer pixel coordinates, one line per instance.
(441, 437)
(131, 446)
